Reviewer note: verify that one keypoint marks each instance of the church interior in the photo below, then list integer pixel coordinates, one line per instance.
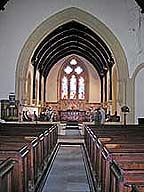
(71, 96)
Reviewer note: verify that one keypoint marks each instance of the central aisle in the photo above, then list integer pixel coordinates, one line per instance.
(68, 172)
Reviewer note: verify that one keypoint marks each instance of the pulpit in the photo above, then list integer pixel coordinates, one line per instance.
(9, 111)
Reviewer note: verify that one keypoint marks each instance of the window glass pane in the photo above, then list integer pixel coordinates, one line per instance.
(81, 90)
(73, 87)
(68, 70)
(73, 62)
(64, 90)
(78, 70)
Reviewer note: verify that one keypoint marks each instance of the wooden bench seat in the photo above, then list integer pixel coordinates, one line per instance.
(106, 155)
(7, 174)
(19, 154)
(108, 145)
(30, 149)
(125, 174)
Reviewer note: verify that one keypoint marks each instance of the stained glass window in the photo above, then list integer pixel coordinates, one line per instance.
(81, 88)
(73, 83)
(64, 89)
(73, 80)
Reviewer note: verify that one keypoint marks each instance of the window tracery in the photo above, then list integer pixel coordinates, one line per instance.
(73, 81)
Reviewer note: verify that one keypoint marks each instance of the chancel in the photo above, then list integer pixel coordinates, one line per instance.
(71, 96)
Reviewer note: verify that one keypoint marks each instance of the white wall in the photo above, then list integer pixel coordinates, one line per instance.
(94, 85)
(52, 86)
(21, 17)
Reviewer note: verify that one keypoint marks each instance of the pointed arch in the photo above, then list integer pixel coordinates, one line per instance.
(58, 19)
(138, 69)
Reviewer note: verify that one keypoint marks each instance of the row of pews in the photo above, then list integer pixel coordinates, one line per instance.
(25, 150)
(116, 153)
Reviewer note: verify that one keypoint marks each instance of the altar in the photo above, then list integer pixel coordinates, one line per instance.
(71, 110)
(72, 115)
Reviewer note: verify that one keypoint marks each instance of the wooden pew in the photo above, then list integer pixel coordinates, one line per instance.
(114, 126)
(125, 175)
(100, 155)
(107, 156)
(6, 175)
(38, 146)
(18, 153)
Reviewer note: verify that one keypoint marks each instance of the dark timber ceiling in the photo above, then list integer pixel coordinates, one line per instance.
(72, 38)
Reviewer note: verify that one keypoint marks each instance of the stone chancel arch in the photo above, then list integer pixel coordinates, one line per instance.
(54, 23)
